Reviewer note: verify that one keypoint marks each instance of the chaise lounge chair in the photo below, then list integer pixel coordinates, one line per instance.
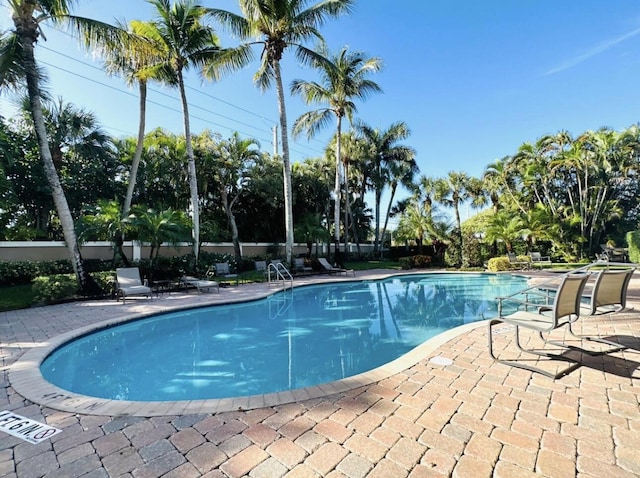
(223, 271)
(200, 284)
(542, 318)
(333, 270)
(128, 283)
(300, 268)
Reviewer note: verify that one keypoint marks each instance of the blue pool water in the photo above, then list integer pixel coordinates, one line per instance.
(293, 339)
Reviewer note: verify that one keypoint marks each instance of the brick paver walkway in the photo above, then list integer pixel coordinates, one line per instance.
(471, 418)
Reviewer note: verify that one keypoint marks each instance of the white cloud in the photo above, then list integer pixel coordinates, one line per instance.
(604, 46)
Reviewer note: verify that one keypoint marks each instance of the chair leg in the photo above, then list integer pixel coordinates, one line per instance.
(616, 346)
(513, 363)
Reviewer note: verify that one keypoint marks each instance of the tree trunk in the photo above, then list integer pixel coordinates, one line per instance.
(27, 39)
(376, 241)
(394, 187)
(336, 194)
(139, 147)
(191, 167)
(286, 165)
(232, 223)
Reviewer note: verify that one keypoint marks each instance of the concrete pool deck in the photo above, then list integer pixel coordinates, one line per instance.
(459, 415)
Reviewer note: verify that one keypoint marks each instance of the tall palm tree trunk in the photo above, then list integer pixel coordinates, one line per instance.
(336, 193)
(139, 147)
(232, 222)
(28, 37)
(394, 187)
(191, 167)
(286, 164)
(376, 240)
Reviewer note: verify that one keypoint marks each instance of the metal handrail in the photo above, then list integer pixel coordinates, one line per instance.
(281, 273)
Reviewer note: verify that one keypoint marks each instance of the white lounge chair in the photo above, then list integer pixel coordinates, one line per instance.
(542, 318)
(334, 270)
(538, 259)
(128, 283)
(200, 284)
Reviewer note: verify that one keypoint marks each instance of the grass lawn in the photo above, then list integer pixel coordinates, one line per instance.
(15, 297)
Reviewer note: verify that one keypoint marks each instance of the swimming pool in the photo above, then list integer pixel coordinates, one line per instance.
(308, 336)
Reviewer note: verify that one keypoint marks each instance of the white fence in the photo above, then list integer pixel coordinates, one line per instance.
(56, 250)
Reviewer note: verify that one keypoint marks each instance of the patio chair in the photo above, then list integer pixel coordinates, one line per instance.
(128, 283)
(333, 270)
(200, 284)
(610, 289)
(513, 260)
(538, 259)
(261, 266)
(544, 318)
(223, 270)
(300, 268)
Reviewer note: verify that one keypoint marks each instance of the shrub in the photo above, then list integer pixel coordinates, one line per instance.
(415, 262)
(64, 287)
(24, 272)
(633, 240)
(501, 264)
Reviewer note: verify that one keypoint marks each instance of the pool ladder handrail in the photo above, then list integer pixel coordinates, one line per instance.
(280, 273)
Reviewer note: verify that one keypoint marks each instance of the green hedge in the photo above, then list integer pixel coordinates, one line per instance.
(64, 287)
(633, 241)
(501, 264)
(24, 272)
(415, 262)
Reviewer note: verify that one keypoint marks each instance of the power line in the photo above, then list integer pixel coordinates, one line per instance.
(124, 91)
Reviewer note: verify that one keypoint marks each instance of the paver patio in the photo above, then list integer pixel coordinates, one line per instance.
(470, 418)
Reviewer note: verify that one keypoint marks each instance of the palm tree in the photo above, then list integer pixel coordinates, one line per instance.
(156, 227)
(105, 221)
(18, 65)
(185, 42)
(506, 227)
(400, 173)
(382, 151)
(134, 68)
(277, 25)
(232, 160)
(451, 191)
(344, 77)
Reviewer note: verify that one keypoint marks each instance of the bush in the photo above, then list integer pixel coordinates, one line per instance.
(633, 240)
(415, 262)
(64, 287)
(24, 272)
(501, 264)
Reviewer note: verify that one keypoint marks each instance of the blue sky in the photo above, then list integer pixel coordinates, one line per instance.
(472, 79)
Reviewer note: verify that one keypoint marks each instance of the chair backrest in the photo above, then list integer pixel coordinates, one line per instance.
(222, 268)
(298, 262)
(566, 306)
(536, 257)
(261, 266)
(324, 263)
(128, 276)
(611, 288)
(512, 256)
